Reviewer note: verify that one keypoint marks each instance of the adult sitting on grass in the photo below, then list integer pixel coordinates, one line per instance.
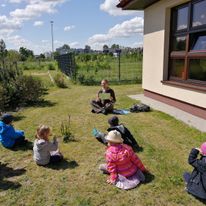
(105, 100)
(9, 137)
(45, 152)
(124, 167)
(196, 181)
(125, 133)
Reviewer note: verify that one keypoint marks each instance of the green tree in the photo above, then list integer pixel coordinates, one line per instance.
(115, 46)
(26, 53)
(3, 52)
(13, 56)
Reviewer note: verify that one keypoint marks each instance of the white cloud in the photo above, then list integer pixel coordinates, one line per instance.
(126, 29)
(44, 41)
(74, 44)
(8, 26)
(34, 8)
(3, 5)
(137, 44)
(17, 40)
(110, 6)
(38, 23)
(69, 28)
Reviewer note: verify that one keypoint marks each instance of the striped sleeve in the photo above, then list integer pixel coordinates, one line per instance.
(135, 159)
(111, 168)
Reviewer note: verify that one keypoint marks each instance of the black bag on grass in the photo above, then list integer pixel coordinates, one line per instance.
(140, 108)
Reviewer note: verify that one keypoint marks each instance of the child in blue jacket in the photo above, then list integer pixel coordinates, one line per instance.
(9, 137)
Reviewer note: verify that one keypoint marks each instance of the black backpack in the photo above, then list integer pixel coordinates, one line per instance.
(140, 108)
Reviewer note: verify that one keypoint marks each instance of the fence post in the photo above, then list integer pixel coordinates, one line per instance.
(118, 51)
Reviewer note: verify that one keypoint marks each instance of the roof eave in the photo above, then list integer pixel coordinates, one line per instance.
(135, 4)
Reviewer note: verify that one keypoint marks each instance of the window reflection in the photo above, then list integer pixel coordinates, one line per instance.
(197, 69)
(182, 17)
(177, 68)
(179, 43)
(199, 14)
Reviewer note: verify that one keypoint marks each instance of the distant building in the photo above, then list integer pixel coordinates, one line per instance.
(48, 55)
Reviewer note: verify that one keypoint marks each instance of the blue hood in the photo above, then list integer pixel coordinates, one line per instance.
(3, 127)
(8, 135)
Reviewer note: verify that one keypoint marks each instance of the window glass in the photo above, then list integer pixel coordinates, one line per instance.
(197, 70)
(179, 43)
(199, 14)
(182, 18)
(199, 43)
(177, 68)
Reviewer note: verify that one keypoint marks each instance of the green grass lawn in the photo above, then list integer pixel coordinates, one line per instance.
(166, 142)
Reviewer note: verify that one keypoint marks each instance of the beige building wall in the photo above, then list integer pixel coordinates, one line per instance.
(156, 49)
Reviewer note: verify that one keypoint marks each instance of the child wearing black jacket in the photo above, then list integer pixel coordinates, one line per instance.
(125, 133)
(196, 181)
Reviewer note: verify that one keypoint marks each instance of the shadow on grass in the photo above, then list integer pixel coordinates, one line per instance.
(23, 147)
(149, 178)
(139, 149)
(44, 103)
(63, 165)
(18, 118)
(200, 200)
(7, 172)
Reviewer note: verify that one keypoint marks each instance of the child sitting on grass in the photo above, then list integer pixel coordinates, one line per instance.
(196, 181)
(9, 137)
(124, 167)
(45, 152)
(125, 133)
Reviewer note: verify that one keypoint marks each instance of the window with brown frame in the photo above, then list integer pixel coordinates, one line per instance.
(188, 43)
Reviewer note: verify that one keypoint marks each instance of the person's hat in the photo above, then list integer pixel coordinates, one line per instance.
(113, 121)
(114, 136)
(7, 118)
(203, 148)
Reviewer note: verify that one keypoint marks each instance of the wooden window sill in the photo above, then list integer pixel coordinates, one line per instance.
(185, 85)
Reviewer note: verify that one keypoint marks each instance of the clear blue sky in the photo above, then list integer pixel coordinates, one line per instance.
(76, 22)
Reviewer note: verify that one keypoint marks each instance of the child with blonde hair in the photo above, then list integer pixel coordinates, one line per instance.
(45, 151)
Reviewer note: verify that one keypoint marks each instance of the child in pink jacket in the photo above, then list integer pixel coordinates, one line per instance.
(124, 167)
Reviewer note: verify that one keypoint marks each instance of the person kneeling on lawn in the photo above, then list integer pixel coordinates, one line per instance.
(105, 100)
(9, 137)
(196, 181)
(45, 152)
(125, 133)
(123, 165)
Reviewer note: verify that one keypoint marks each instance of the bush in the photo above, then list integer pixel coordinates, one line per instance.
(51, 66)
(3, 99)
(81, 78)
(17, 90)
(59, 81)
(29, 90)
(90, 80)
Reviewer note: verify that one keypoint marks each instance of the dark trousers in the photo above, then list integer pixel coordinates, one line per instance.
(19, 141)
(56, 158)
(186, 177)
(98, 107)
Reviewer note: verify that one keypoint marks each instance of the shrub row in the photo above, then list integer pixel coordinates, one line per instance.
(19, 90)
